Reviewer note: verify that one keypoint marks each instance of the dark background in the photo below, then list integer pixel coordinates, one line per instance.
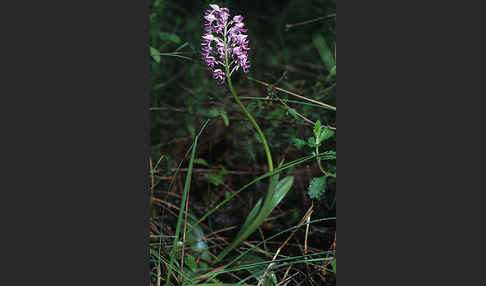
(75, 143)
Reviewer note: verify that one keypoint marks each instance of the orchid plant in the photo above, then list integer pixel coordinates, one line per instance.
(225, 47)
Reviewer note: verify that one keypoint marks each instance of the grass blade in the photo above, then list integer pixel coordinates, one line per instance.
(187, 185)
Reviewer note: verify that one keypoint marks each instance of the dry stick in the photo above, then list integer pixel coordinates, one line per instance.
(295, 111)
(216, 170)
(284, 282)
(286, 273)
(263, 239)
(288, 26)
(159, 274)
(288, 107)
(152, 188)
(168, 108)
(294, 94)
(304, 218)
(305, 238)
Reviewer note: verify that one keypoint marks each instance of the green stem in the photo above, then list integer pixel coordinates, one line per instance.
(252, 120)
(273, 180)
(319, 162)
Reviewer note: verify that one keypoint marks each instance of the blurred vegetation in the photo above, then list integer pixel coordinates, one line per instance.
(293, 48)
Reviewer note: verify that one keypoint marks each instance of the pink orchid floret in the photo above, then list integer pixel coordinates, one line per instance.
(224, 42)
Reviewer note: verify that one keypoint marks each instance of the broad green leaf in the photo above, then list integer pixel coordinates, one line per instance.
(317, 187)
(155, 54)
(326, 134)
(311, 142)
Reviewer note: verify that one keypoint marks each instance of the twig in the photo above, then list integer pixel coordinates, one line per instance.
(307, 215)
(288, 26)
(296, 95)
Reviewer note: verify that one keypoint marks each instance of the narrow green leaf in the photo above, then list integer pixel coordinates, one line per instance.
(225, 117)
(190, 129)
(270, 279)
(201, 161)
(251, 216)
(213, 112)
(282, 188)
(190, 262)
(164, 36)
(182, 46)
(317, 129)
(324, 51)
(294, 115)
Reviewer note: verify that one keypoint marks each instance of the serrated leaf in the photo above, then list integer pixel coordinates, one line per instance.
(326, 134)
(317, 187)
(311, 142)
(299, 143)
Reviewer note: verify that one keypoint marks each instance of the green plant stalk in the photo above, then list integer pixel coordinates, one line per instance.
(265, 209)
(247, 113)
(319, 162)
(250, 117)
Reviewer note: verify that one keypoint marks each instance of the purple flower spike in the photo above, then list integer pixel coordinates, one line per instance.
(224, 43)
